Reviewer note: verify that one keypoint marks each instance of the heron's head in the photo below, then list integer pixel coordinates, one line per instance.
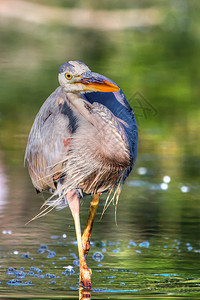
(76, 77)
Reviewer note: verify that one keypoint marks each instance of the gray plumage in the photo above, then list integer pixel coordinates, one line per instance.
(95, 160)
(76, 145)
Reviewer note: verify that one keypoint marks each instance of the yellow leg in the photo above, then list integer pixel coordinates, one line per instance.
(85, 272)
(88, 229)
(84, 294)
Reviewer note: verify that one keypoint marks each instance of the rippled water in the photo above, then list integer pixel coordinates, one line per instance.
(153, 252)
(152, 267)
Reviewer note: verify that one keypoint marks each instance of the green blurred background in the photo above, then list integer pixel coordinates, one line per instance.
(159, 61)
(152, 50)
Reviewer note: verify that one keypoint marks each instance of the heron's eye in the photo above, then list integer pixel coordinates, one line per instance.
(68, 76)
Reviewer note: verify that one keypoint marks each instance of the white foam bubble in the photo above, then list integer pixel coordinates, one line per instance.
(164, 186)
(166, 179)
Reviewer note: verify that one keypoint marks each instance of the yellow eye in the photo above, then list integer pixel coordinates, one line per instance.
(68, 76)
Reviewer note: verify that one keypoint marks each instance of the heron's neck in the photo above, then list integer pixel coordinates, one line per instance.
(81, 105)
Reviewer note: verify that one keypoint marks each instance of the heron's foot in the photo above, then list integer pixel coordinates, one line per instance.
(86, 247)
(84, 294)
(85, 277)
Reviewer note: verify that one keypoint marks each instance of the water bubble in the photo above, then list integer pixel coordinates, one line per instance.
(44, 247)
(26, 255)
(11, 269)
(98, 256)
(116, 251)
(185, 189)
(69, 270)
(38, 270)
(142, 171)
(73, 255)
(69, 267)
(20, 274)
(28, 282)
(166, 179)
(9, 273)
(76, 262)
(40, 251)
(50, 275)
(164, 186)
(51, 254)
(61, 258)
(54, 237)
(189, 248)
(100, 265)
(144, 244)
(6, 231)
(132, 243)
(30, 273)
(111, 243)
(11, 282)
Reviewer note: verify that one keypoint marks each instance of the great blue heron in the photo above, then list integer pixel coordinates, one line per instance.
(84, 140)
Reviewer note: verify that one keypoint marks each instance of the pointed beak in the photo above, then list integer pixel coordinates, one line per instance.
(96, 82)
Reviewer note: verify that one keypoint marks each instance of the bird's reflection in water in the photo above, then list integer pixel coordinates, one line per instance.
(84, 293)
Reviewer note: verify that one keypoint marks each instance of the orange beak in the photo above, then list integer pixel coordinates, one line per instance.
(97, 83)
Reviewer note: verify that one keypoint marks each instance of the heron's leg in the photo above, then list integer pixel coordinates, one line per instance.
(84, 294)
(85, 272)
(88, 229)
